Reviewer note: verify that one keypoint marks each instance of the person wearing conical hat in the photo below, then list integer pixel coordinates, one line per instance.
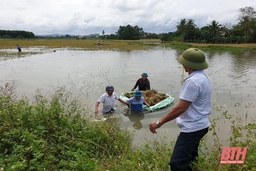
(191, 112)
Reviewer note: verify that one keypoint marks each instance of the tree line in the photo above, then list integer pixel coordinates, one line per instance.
(16, 34)
(243, 32)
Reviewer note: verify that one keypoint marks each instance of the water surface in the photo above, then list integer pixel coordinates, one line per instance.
(86, 73)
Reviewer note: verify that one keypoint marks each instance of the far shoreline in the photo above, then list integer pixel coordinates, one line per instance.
(105, 44)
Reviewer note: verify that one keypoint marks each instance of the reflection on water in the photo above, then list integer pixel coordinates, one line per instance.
(135, 117)
(86, 73)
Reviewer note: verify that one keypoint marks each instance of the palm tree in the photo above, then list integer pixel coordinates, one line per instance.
(190, 25)
(181, 27)
(185, 27)
(214, 30)
(246, 19)
(103, 33)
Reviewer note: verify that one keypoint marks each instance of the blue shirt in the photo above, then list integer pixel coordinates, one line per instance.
(197, 89)
(136, 105)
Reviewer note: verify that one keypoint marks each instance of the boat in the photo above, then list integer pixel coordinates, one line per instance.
(163, 103)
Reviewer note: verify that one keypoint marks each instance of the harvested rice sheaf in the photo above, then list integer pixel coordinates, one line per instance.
(129, 95)
(152, 97)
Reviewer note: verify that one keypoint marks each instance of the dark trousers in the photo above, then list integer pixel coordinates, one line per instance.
(186, 150)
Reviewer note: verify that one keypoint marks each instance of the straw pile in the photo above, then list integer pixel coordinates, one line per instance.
(152, 97)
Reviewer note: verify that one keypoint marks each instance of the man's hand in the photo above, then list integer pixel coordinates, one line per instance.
(96, 112)
(152, 127)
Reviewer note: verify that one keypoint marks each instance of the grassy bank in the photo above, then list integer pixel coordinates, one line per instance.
(96, 44)
(213, 47)
(52, 133)
(88, 44)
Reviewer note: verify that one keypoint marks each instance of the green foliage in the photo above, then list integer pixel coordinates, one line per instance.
(180, 46)
(165, 37)
(209, 48)
(52, 134)
(241, 135)
(16, 34)
(153, 155)
(243, 32)
(130, 32)
(111, 36)
(6, 36)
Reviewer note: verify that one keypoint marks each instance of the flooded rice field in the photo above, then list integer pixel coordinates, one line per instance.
(86, 74)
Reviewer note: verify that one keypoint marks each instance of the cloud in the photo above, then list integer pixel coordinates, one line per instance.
(87, 17)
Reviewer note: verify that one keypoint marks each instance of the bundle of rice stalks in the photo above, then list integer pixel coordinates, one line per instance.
(129, 95)
(152, 97)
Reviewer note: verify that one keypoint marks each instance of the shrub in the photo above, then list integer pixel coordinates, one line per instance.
(54, 134)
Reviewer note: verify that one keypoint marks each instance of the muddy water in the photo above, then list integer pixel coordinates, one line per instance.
(86, 73)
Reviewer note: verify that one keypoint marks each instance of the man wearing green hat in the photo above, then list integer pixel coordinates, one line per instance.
(191, 112)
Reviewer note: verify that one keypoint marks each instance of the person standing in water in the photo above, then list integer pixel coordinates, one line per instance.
(142, 82)
(108, 100)
(136, 103)
(18, 47)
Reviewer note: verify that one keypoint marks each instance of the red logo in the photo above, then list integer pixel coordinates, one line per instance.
(233, 155)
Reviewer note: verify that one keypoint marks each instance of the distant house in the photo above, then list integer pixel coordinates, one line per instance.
(150, 35)
(93, 35)
(81, 36)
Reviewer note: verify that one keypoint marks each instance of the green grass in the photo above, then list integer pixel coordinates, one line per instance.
(87, 44)
(143, 44)
(213, 47)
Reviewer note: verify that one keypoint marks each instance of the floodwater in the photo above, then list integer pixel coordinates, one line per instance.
(86, 73)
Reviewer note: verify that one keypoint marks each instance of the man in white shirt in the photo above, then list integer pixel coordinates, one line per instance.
(108, 101)
(191, 112)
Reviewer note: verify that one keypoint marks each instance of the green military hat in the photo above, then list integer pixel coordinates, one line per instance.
(193, 58)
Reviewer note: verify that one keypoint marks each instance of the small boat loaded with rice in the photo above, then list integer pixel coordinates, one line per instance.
(155, 99)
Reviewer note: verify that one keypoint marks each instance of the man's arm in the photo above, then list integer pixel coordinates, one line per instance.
(96, 108)
(175, 112)
(145, 103)
(124, 102)
(136, 85)
(148, 85)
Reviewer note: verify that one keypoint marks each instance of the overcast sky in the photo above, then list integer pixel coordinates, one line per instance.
(83, 17)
